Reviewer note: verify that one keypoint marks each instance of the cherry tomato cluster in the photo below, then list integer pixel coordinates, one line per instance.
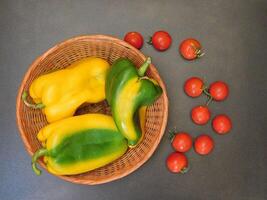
(182, 142)
(190, 48)
(161, 40)
(203, 144)
(201, 114)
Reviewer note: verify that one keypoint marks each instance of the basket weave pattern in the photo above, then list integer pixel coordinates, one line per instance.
(30, 121)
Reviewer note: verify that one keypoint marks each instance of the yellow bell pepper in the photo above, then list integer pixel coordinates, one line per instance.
(61, 92)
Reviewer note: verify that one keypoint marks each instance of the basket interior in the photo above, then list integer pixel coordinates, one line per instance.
(63, 55)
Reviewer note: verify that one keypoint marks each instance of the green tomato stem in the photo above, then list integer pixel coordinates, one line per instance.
(205, 91)
(209, 101)
(150, 41)
(185, 170)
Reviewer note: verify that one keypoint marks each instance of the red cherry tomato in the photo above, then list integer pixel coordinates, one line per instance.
(200, 115)
(190, 49)
(177, 162)
(135, 39)
(193, 87)
(182, 142)
(221, 124)
(203, 144)
(161, 40)
(219, 90)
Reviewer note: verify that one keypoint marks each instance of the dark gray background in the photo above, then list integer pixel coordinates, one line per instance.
(233, 34)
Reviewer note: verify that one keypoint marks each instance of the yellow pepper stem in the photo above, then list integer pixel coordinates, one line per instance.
(36, 155)
(34, 106)
(143, 68)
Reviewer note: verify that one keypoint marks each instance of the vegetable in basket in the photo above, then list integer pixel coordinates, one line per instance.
(79, 144)
(60, 93)
(127, 90)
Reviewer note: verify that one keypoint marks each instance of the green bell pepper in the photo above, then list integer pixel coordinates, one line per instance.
(127, 89)
(79, 144)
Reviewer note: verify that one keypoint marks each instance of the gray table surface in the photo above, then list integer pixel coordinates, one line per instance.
(233, 34)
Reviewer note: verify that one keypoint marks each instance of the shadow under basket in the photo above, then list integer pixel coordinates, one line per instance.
(30, 121)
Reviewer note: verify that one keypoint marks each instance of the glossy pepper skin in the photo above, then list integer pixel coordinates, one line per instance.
(127, 89)
(63, 91)
(79, 144)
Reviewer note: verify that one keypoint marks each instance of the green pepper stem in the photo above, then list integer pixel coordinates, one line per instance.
(143, 68)
(34, 106)
(36, 155)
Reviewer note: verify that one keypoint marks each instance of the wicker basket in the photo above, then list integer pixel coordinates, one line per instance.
(62, 55)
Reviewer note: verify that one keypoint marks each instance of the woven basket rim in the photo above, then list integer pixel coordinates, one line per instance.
(92, 37)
